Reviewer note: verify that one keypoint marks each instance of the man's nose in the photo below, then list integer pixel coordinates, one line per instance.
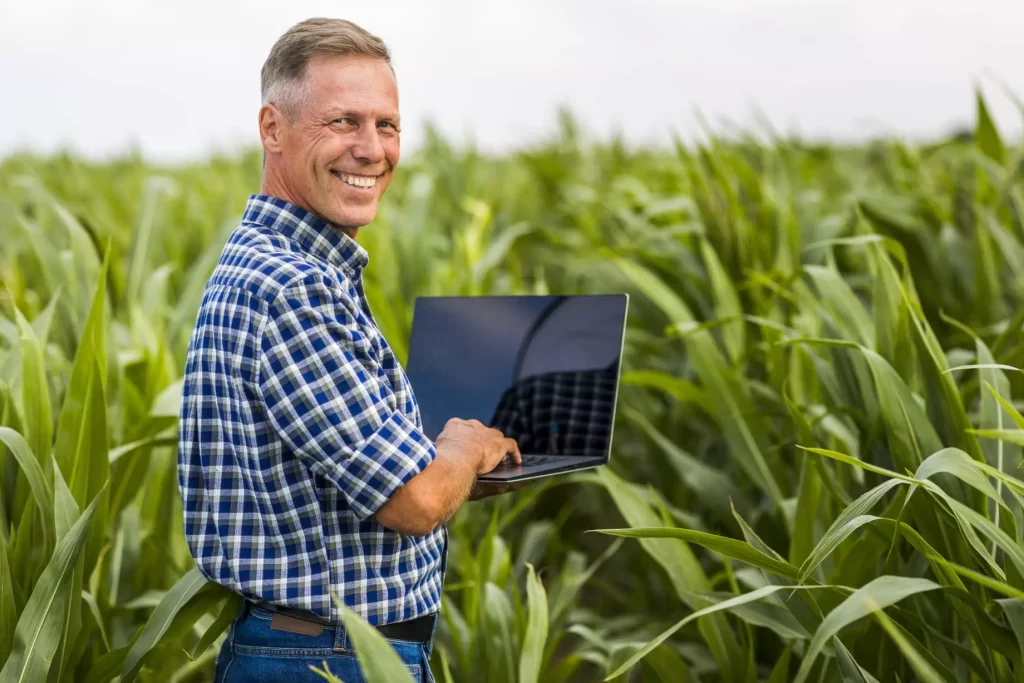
(368, 147)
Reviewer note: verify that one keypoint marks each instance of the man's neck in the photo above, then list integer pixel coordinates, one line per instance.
(272, 186)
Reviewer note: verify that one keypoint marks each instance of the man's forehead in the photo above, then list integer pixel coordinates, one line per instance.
(350, 69)
(353, 82)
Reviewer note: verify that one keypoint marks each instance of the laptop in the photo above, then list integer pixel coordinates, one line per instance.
(544, 370)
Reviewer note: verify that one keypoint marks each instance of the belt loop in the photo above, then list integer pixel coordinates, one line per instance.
(340, 636)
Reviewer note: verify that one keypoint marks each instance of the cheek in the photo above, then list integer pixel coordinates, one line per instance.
(393, 149)
(317, 153)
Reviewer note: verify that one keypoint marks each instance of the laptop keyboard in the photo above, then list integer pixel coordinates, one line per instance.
(528, 460)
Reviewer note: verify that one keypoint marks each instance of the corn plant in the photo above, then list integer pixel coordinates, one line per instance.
(815, 474)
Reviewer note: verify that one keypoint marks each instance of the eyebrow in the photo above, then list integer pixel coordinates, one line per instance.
(339, 113)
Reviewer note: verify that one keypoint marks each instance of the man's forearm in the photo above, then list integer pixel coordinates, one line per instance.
(460, 475)
(433, 496)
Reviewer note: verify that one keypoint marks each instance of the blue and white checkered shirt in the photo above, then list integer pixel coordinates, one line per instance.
(297, 425)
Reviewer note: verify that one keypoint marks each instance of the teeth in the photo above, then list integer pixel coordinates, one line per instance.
(357, 181)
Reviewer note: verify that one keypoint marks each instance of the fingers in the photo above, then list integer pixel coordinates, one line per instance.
(473, 435)
(512, 449)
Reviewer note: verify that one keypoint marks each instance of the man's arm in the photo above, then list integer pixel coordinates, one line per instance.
(432, 497)
(318, 381)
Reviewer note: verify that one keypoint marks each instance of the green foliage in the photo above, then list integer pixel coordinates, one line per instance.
(816, 470)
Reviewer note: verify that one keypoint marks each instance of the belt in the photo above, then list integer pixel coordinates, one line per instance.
(418, 630)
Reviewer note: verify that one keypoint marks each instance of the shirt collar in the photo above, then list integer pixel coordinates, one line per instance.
(315, 235)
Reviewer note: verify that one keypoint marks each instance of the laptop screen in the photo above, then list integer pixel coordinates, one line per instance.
(542, 369)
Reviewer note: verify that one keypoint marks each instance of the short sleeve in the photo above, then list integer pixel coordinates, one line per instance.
(318, 381)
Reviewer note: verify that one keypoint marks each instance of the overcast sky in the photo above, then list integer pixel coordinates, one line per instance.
(181, 77)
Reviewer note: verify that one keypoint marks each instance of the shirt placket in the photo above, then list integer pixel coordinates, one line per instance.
(364, 303)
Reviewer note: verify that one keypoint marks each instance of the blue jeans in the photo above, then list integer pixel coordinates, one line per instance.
(253, 652)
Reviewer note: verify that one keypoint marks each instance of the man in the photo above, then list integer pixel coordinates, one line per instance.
(302, 463)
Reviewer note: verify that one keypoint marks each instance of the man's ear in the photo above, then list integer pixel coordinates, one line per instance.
(271, 128)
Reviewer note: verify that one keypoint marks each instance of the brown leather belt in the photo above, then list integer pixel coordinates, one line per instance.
(418, 630)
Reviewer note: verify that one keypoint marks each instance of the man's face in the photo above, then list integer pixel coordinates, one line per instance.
(336, 159)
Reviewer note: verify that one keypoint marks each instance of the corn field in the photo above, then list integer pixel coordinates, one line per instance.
(816, 473)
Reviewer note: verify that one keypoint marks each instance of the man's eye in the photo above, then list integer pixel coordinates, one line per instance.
(343, 121)
(388, 124)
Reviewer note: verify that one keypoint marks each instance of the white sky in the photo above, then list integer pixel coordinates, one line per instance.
(181, 77)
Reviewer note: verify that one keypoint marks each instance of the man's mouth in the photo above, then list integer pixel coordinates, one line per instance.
(355, 180)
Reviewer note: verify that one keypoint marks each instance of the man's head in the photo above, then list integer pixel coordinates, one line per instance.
(329, 121)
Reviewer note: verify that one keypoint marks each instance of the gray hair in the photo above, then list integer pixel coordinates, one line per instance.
(282, 78)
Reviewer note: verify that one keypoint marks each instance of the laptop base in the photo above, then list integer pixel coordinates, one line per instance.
(508, 474)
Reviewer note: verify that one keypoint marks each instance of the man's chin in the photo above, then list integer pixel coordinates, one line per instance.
(350, 221)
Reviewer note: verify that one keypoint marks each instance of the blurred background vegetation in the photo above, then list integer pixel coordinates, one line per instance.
(817, 444)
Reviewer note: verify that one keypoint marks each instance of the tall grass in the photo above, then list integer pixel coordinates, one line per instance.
(816, 465)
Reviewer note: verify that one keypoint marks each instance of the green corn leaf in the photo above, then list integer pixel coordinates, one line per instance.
(669, 666)
(1014, 436)
(733, 407)
(174, 601)
(956, 463)
(65, 509)
(842, 457)
(66, 513)
(726, 605)
(531, 660)
(987, 581)
(681, 565)
(845, 310)
(713, 488)
(728, 547)
(849, 520)
(924, 663)
(42, 492)
(943, 399)
(876, 595)
(228, 613)
(986, 136)
(1013, 608)
(108, 666)
(807, 503)
(81, 448)
(850, 670)
(35, 394)
(500, 639)
(994, 415)
(780, 672)
(968, 518)
(154, 190)
(42, 622)
(753, 539)
(769, 614)
(677, 388)
(909, 430)
(97, 617)
(8, 605)
(377, 659)
(727, 303)
(446, 670)
(994, 390)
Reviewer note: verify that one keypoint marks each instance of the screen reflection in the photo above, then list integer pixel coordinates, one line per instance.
(542, 369)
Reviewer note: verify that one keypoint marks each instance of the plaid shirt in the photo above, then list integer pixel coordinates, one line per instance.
(559, 413)
(297, 425)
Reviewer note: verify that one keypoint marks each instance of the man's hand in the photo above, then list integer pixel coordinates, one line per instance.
(486, 445)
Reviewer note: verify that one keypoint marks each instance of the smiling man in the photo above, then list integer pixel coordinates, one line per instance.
(303, 467)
